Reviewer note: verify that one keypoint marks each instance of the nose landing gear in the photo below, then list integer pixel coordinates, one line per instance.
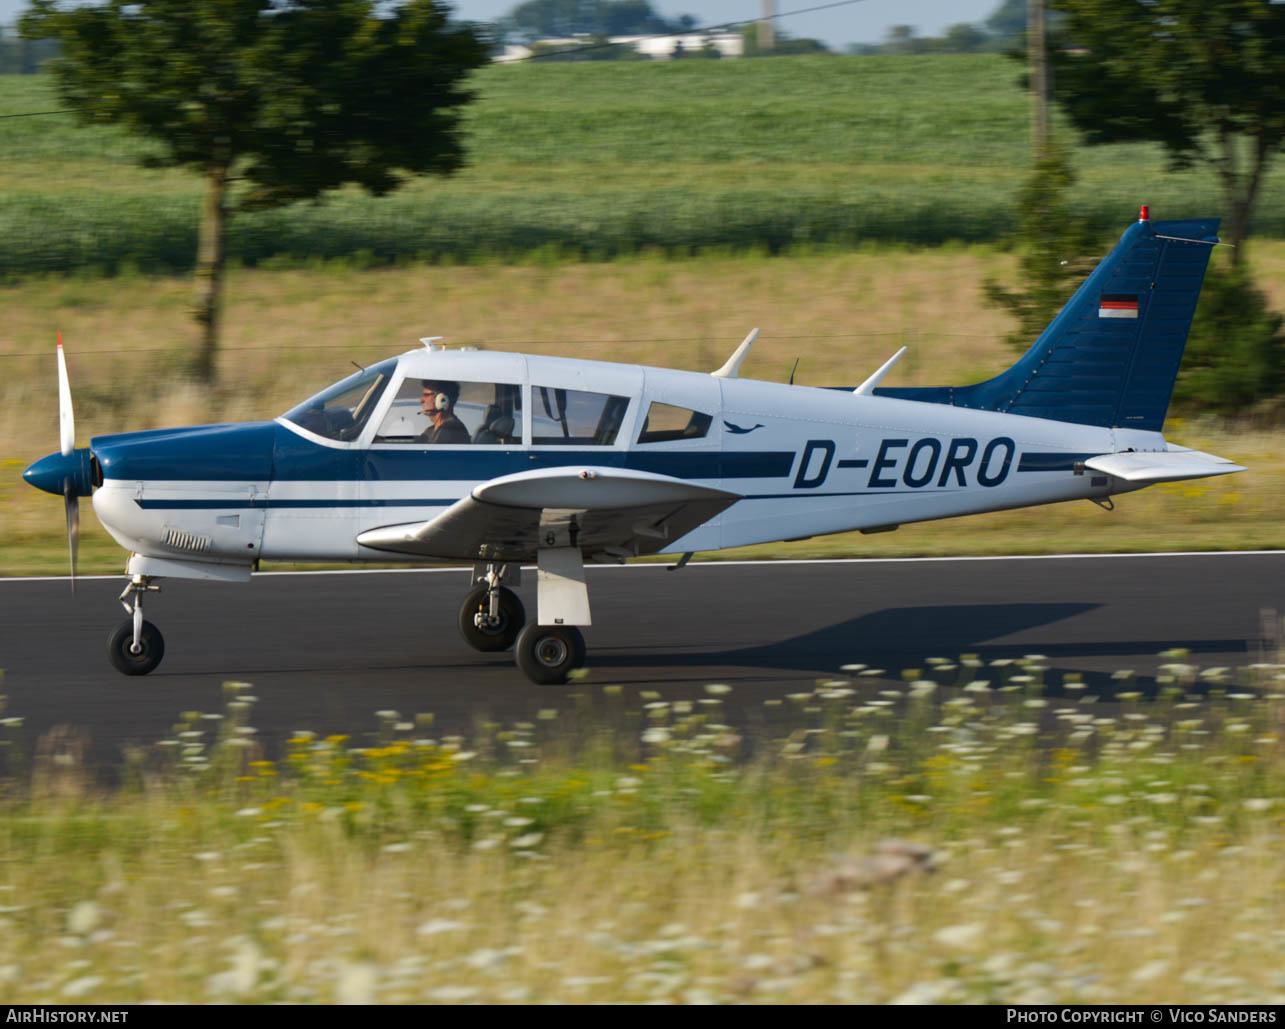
(492, 615)
(136, 646)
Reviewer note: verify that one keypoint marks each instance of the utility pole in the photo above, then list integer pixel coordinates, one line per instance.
(767, 27)
(1038, 58)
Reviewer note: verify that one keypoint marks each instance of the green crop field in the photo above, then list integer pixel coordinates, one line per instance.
(604, 159)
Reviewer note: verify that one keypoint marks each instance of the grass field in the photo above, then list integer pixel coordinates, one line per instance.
(290, 332)
(670, 155)
(972, 835)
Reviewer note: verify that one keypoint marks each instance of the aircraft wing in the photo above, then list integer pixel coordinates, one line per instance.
(610, 511)
(1162, 465)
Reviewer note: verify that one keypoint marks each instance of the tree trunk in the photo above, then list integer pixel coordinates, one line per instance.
(1243, 204)
(209, 272)
(1240, 189)
(1037, 56)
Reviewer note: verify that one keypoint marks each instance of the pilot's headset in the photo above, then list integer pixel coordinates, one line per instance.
(444, 399)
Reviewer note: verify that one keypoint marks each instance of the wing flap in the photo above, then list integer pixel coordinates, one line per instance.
(1162, 465)
(609, 510)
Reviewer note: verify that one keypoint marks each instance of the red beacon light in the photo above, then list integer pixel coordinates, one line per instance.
(1144, 214)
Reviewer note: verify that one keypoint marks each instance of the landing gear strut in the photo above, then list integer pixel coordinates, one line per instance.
(136, 646)
(492, 615)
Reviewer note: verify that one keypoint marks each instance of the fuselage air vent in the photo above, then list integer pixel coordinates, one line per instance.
(186, 540)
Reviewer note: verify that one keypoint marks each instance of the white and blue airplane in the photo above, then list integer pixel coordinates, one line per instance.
(496, 459)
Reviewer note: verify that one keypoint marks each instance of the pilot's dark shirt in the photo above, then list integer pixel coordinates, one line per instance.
(452, 430)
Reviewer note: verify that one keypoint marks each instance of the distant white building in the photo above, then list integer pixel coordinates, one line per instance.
(729, 44)
(660, 48)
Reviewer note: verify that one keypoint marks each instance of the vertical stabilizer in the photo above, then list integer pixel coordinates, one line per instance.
(1111, 355)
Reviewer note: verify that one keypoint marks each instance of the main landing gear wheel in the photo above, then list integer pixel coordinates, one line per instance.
(485, 632)
(548, 653)
(151, 648)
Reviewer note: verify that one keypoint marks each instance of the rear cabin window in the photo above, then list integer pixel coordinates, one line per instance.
(569, 417)
(490, 413)
(665, 424)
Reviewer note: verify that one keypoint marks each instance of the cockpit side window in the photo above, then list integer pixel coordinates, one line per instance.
(483, 413)
(665, 423)
(569, 417)
(341, 411)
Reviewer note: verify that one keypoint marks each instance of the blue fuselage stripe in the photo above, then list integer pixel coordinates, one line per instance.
(259, 451)
(263, 503)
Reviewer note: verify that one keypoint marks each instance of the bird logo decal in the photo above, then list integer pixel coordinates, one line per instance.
(740, 430)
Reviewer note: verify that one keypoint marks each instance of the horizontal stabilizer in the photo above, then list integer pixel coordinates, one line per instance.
(1162, 465)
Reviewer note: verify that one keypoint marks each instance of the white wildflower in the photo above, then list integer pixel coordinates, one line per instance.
(80, 987)
(355, 984)
(435, 926)
(958, 935)
(1151, 970)
(83, 918)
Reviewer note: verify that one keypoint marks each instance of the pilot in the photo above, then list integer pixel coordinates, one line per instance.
(438, 402)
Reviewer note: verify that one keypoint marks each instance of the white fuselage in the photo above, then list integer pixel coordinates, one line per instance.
(805, 461)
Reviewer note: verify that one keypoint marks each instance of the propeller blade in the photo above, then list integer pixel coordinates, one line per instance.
(72, 505)
(66, 420)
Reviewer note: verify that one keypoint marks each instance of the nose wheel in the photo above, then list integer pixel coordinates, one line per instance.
(137, 646)
(130, 661)
(491, 618)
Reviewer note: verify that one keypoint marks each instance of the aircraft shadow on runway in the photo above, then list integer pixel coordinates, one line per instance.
(899, 638)
(892, 639)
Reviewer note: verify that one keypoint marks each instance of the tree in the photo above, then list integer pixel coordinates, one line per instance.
(1055, 250)
(633, 18)
(902, 39)
(1204, 78)
(1235, 357)
(557, 19)
(784, 46)
(1008, 22)
(271, 101)
(553, 19)
(964, 38)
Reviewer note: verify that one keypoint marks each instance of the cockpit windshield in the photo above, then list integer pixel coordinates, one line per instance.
(341, 411)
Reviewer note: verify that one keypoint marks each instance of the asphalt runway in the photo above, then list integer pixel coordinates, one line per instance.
(326, 651)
